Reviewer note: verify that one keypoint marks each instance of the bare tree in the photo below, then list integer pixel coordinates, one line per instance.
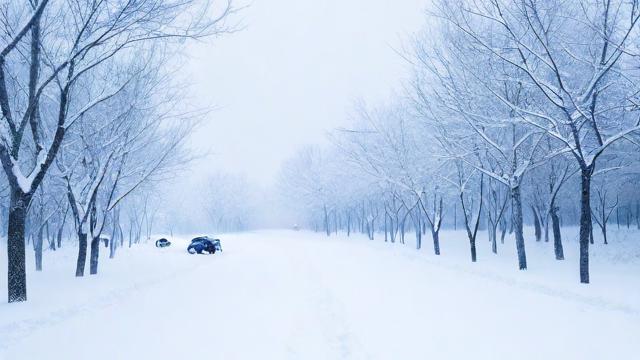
(603, 209)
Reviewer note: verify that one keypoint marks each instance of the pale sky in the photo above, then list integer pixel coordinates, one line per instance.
(292, 75)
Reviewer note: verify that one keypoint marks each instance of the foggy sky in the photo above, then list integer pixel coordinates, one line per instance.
(291, 75)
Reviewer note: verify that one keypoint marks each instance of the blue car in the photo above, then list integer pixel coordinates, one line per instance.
(204, 244)
(163, 243)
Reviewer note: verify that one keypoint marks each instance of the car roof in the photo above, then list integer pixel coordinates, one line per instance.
(200, 238)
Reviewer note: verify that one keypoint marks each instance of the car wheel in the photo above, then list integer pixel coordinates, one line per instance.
(191, 250)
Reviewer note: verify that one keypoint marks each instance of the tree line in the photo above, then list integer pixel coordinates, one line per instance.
(91, 119)
(516, 110)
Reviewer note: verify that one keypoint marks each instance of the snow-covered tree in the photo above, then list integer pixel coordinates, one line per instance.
(49, 53)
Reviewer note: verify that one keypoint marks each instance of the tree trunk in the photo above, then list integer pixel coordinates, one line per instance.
(113, 244)
(455, 217)
(373, 229)
(546, 230)
(394, 230)
(418, 232)
(52, 244)
(95, 253)
(472, 243)
(536, 224)
(638, 215)
(138, 232)
(59, 235)
(17, 276)
(326, 221)
(112, 247)
(37, 247)
(628, 218)
(120, 234)
(517, 224)
(385, 227)
(436, 241)
(82, 253)
(511, 222)
(557, 236)
(585, 224)
(493, 234)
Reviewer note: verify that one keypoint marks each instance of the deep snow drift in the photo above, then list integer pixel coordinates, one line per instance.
(299, 295)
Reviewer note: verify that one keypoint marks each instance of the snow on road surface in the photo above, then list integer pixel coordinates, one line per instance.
(297, 295)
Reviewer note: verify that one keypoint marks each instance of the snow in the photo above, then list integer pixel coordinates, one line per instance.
(299, 295)
(25, 183)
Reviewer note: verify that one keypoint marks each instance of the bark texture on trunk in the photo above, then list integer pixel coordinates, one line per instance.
(493, 234)
(418, 232)
(326, 222)
(473, 250)
(82, 254)
(16, 272)
(37, 247)
(557, 236)
(546, 230)
(436, 241)
(518, 227)
(585, 224)
(94, 256)
(59, 236)
(536, 224)
(503, 229)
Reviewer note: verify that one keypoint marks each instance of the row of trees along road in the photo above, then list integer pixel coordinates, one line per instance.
(90, 116)
(511, 103)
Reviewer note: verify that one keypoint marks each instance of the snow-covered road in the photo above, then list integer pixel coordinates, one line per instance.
(288, 295)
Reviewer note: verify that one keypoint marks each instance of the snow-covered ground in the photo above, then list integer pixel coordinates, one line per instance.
(300, 295)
